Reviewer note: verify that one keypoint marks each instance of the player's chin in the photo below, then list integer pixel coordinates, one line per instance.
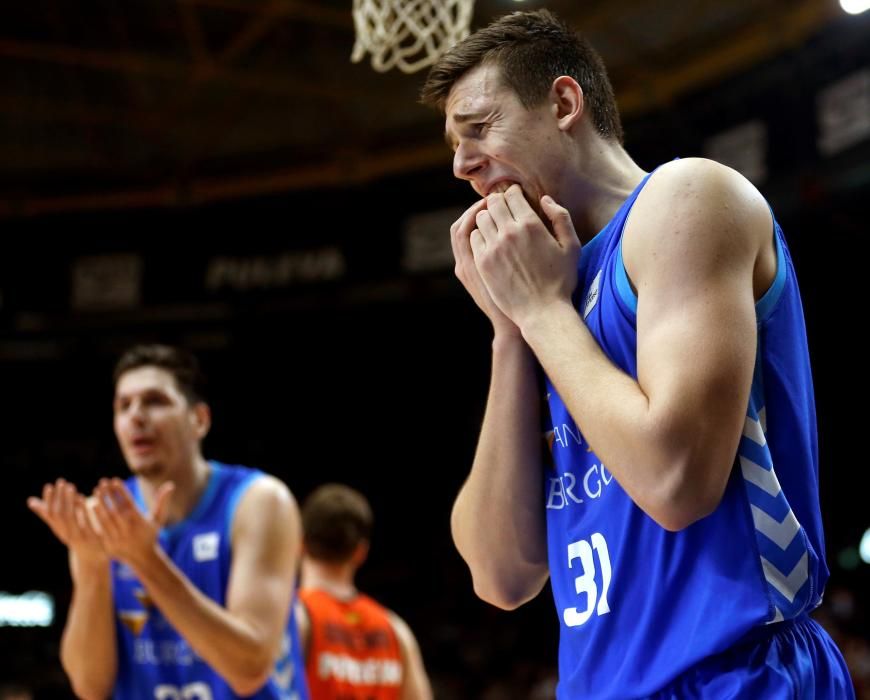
(144, 466)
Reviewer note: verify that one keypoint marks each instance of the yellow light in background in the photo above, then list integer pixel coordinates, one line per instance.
(855, 7)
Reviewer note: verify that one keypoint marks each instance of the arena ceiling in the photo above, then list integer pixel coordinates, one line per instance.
(140, 103)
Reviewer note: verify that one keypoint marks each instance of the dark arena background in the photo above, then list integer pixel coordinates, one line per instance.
(218, 174)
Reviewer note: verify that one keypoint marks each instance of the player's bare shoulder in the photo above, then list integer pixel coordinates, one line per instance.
(267, 489)
(695, 208)
(267, 499)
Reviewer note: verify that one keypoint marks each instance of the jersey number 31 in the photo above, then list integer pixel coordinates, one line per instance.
(585, 582)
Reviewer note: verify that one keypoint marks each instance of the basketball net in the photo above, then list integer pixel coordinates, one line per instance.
(408, 34)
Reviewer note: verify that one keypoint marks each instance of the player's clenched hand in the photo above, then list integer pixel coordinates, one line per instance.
(523, 265)
(460, 233)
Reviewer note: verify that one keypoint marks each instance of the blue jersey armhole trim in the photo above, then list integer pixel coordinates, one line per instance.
(763, 307)
(623, 286)
(240, 490)
(766, 304)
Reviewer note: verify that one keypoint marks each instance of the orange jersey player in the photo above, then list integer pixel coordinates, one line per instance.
(354, 648)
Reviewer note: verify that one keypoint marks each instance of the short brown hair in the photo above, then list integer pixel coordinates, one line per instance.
(181, 364)
(531, 50)
(335, 519)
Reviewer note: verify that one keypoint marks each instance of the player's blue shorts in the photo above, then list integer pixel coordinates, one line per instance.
(797, 660)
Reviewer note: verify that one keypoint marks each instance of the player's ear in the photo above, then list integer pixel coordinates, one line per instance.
(201, 417)
(360, 553)
(567, 100)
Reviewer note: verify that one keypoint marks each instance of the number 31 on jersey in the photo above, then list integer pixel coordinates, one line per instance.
(581, 558)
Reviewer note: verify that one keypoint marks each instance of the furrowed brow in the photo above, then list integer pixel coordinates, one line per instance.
(460, 118)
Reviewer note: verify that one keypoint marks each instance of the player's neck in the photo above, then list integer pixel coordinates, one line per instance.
(190, 482)
(603, 177)
(335, 579)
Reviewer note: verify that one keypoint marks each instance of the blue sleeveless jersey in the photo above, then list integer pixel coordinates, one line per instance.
(154, 661)
(639, 605)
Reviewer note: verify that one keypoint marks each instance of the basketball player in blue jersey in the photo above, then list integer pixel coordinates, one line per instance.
(183, 576)
(678, 518)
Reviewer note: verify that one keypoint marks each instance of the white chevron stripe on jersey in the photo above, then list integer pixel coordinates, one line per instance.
(787, 585)
(780, 532)
(763, 478)
(762, 418)
(753, 430)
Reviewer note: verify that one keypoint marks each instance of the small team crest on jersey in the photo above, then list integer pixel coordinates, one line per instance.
(143, 598)
(133, 620)
(592, 295)
(352, 617)
(205, 546)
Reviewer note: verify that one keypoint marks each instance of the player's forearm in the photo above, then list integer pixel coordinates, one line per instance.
(88, 646)
(659, 456)
(233, 647)
(498, 518)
